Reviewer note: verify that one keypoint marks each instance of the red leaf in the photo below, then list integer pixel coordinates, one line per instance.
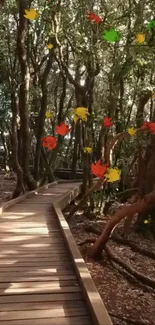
(98, 169)
(152, 128)
(145, 125)
(49, 142)
(107, 122)
(62, 129)
(92, 16)
(149, 125)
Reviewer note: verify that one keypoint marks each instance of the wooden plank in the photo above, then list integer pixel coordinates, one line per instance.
(26, 225)
(43, 305)
(33, 244)
(51, 278)
(23, 253)
(32, 247)
(40, 284)
(25, 291)
(26, 268)
(32, 277)
(81, 320)
(31, 231)
(38, 264)
(53, 238)
(41, 297)
(44, 313)
(29, 273)
(33, 259)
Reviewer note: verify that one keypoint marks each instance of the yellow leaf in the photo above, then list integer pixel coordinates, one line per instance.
(31, 14)
(146, 221)
(80, 113)
(50, 46)
(140, 38)
(131, 131)
(87, 149)
(113, 174)
(48, 114)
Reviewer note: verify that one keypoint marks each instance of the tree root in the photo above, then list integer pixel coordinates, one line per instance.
(127, 320)
(133, 246)
(126, 242)
(87, 241)
(143, 204)
(139, 276)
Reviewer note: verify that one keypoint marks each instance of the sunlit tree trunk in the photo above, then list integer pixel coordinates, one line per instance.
(24, 92)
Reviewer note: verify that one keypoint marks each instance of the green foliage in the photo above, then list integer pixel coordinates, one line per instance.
(126, 69)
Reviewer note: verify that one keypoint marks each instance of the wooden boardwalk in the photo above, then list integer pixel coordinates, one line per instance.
(40, 279)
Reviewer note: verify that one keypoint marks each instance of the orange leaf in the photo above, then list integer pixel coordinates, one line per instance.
(62, 129)
(107, 122)
(49, 142)
(149, 125)
(98, 169)
(95, 18)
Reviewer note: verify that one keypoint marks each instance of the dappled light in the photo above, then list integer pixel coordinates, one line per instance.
(77, 162)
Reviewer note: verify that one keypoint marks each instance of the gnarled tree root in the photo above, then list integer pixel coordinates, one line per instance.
(147, 202)
(139, 276)
(133, 246)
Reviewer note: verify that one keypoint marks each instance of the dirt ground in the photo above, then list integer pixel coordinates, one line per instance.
(127, 300)
(7, 186)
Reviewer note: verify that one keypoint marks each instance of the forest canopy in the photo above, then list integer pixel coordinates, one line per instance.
(77, 89)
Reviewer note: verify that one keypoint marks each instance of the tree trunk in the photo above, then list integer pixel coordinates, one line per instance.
(144, 204)
(14, 137)
(147, 181)
(24, 92)
(41, 116)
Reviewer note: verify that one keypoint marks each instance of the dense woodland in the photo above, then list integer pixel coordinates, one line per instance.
(61, 61)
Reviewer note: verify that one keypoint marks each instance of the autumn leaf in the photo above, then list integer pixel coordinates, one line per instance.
(48, 114)
(145, 125)
(95, 18)
(50, 46)
(149, 125)
(131, 131)
(146, 221)
(87, 150)
(111, 35)
(113, 175)
(62, 129)
(98, 169)
(140, 38)
(31, 14)
(49, 142)
(151, 24)
(80, 113)
(107, 122)
(152, 128)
